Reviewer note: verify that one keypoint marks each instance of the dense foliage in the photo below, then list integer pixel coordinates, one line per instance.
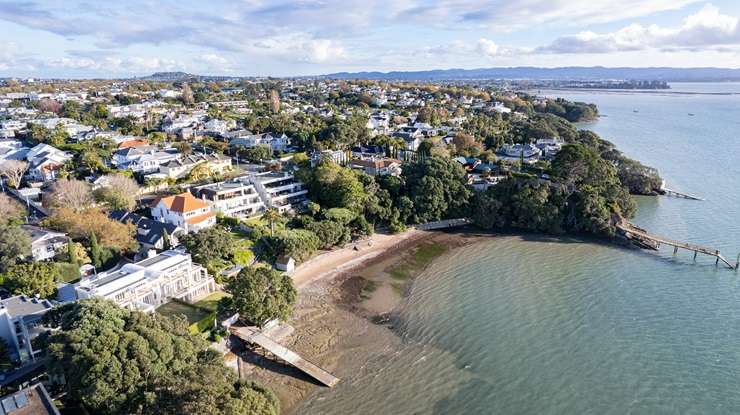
(116, 361)
(259, 294)
(585, 195)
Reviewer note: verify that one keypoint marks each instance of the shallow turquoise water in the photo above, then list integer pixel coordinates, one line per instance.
(527, 325)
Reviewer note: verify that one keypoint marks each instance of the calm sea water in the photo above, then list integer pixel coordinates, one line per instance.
(526, 325)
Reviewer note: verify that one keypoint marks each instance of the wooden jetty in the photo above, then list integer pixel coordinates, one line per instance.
(676, 193)
(632, 231)
(254, 336)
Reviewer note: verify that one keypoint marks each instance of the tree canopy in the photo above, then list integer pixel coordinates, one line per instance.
(116, 361)
(260, 294)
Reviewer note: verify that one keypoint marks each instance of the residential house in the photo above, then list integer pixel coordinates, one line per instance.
(150, 283)
(45, 243)
(20, 318)
(515, 152)
(549, 147)
(185, 211)
(144, 159)
(280, 190)
(9, 127)
(334, 156)
(45, 161)
(412, 136)
(235, 198)
(33, 400)
(276, 142)
(218, 127)
(12, 150)
(378, 166)
(180, 167)
(150, 234)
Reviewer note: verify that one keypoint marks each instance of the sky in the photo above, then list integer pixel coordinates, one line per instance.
(102, 38)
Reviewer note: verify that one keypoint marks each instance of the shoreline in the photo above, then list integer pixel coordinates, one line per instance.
(345, 305)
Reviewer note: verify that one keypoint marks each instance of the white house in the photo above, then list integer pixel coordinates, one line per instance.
(45, 243)
(280, 190)
(45, 161)
(185, 211)
(147, 284)
(378, 167)
(20, 318)
(144, 159)
(276, 142)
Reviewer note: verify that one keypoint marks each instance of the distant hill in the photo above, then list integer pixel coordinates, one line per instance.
(564, 73)
(181, 76)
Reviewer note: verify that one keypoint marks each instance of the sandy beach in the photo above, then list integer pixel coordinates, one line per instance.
(332, 263)
(346, 301)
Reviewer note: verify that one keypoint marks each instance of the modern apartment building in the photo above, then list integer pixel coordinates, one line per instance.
(236, 198)
(280, 190)
(148, 284)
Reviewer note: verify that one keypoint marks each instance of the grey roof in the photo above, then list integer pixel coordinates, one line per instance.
(149, 231)
(20, 305)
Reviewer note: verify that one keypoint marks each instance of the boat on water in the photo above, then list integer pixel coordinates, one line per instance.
(691, 114)
(635, 111)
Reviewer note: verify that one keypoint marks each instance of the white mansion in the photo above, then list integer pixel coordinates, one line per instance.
(147, 284)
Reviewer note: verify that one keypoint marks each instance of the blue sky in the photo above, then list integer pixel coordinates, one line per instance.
(282, 38)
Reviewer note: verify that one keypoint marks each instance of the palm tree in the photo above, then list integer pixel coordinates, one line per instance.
(272, 216)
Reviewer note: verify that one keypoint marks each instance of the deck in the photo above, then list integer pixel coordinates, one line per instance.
(254, 336)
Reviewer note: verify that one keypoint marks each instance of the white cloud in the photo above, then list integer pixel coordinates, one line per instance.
(706, 29)
(300, 47)
(487, 47)
(114, 64)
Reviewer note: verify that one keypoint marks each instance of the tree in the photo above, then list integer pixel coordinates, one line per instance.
(183, 147)
(436, 188)
(11, 212)
(272, 216)
(73, 253)
(332, 185)
(74, 194)
(13, 170)
(260, 294)
(81, 225)
(187, 95)
(296, 243)
(274, 101)
(166, 241)
(15, 244)
(32, 278)
(255, 154)
(210, 244)
(95, 252)
(116, 361)
(119, 192)
(59, 135)
(50, 105)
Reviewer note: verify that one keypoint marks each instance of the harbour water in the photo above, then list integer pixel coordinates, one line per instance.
(532, 325)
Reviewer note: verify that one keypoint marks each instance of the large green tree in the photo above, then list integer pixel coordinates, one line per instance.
(116, 361)
(32, 278)
(260, 294)
(15, 244)
(436, 188)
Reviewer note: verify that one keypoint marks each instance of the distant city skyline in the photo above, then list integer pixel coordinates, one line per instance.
(284, 38)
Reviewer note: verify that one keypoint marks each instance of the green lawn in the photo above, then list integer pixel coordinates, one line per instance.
(173, 308)
(211, 301)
